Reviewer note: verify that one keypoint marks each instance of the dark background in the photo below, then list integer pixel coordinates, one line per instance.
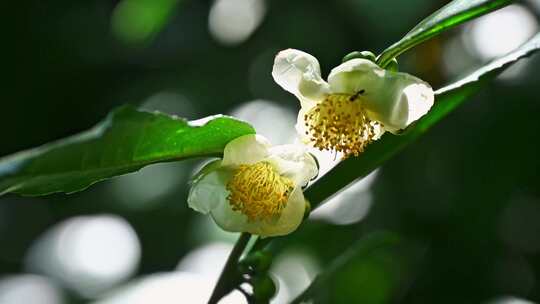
(464, 200)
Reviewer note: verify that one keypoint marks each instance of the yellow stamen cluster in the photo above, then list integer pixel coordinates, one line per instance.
(258, 191)
(340, 123)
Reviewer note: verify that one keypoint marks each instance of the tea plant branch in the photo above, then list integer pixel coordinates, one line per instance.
(447, 99)
(229, 274)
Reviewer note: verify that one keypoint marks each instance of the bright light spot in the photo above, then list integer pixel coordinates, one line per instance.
(194, 281)
(232, 21)
(137, 21)
(98, 247)
(271, 120)
(510, 300)
(88, 254)
(500, 32)
(294, 270)
(143, 189)
(207, 260)
(29, 289)
(170, 288)
(456, 59)
(348, 206)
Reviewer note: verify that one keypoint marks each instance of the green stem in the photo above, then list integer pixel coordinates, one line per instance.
(229, 273)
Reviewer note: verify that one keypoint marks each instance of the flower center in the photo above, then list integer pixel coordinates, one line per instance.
(258, 191)
(340, 123)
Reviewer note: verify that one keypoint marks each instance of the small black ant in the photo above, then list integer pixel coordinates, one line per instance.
(353, 97)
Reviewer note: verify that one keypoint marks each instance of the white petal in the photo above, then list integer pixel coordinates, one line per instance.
(299, 73)
(294, 162)
(394, 99)
(230, 220)
(208, 190)
(355, 75)
(403, 100)
(420, 98)
(290, 218)
(207, 168)
(247, 149)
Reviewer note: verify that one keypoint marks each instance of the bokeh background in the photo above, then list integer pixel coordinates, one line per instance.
(464, 201)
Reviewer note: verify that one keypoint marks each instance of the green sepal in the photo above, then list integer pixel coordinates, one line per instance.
(264, 288)
(258, 262)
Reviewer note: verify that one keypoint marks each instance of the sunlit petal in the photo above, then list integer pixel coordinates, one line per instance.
(293, 161)
(209, 191)
(231, 220)
(356, 75)
(404, 100)
(291, 216)
(394, 99)
(287, 222)
(299, 73)
(247, 149)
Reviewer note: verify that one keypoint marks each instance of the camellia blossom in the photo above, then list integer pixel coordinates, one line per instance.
(255, 188)
(356, 106)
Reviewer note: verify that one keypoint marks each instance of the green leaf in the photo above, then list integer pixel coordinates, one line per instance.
(125, 141)
(452, 14)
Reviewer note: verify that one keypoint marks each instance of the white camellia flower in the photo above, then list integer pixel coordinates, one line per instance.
(255, 188)
(356, 106)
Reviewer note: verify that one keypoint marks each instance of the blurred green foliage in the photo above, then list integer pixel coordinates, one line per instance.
(138, 21)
